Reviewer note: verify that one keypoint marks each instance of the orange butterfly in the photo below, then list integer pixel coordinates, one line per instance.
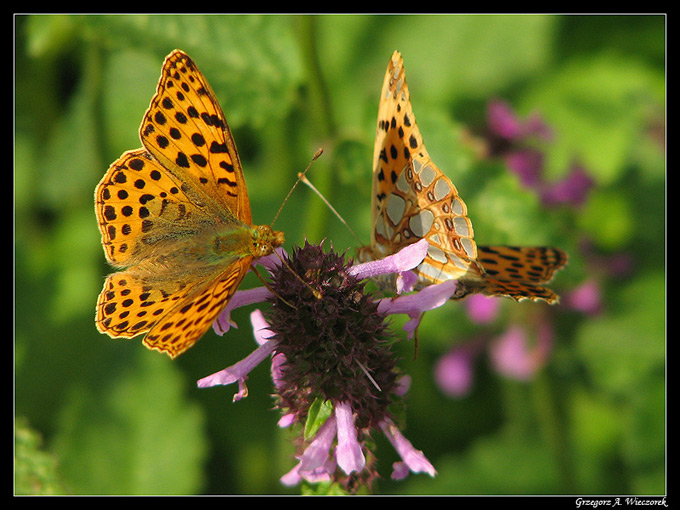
(174, 215)
(413, 199)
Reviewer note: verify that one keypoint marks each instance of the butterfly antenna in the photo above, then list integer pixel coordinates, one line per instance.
(259, 276)
(303, 178)
(300, 176)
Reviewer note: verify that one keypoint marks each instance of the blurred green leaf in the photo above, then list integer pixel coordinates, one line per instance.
(503, 212)
(35, 471)
(596, 105)
(608, 219)
(49, 34)
(501, 464)
(627, 343)
(135, 434)
(251, 61)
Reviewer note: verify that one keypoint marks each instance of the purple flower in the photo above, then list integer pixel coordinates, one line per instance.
(411, 458)
(238, 373)
(510, 138)
(527, 164)
(328, 342)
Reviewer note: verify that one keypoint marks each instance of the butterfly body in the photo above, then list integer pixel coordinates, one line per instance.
(413, 199)
(175, 217)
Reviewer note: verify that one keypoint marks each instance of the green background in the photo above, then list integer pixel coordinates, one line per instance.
(102, 416)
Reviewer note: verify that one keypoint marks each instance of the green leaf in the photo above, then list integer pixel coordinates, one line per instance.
(505, 463)
(608, 218)
(319, 412)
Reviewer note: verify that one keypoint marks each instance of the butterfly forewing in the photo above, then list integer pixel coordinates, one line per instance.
(412, 198)
(139, 204)
(185, 129)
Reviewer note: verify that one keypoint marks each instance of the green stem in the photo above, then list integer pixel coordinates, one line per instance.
(321, 110)
(554, 429)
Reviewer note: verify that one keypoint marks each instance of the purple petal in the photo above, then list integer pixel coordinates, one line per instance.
(286, 420)
(403, 385)
(512, 356)
(316, 464)
(348, 452)
(572, 190)
(535, 125)
(239, 371)
(261, 330)
(429, 298)
(399, 470)
(404, 260)
(411, 326)
(414, 305)
(502, 120)
(317, 453)
(414, 459)
(406, 280)
(527, 164)
(292, 477)
(272, 260)
(240, 298)
(296, 475)
(586, 298)
(263, 334)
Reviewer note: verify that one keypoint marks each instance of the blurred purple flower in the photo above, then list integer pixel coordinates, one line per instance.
(504, 123)
(481, 309)
(572, 190)
(527, 164)
(454, 372)
(513, 356)
(509, 136)
(585, 298)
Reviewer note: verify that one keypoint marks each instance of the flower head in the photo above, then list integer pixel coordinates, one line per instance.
(331, 349)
